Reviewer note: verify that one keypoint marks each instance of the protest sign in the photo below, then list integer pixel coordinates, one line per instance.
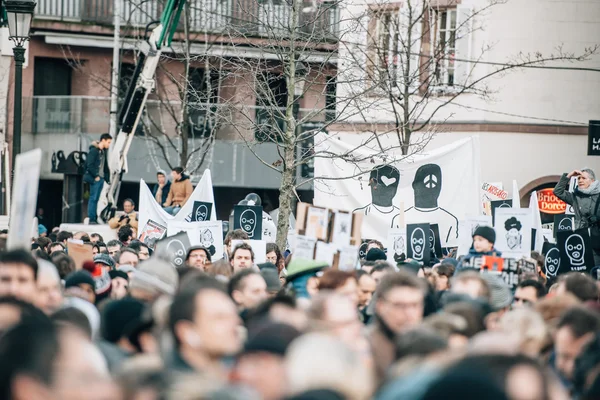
(441, 186)
(418, 242)
(304, 248)
(202, 211)
(513, 232)
(203, 193)
(259, 247)
(208, 234)
(317, 222)
(499, 204)
(396, 245)
(79, 252)
(576, 252)
(348, 258)
(174, 248)
(150, 210)
(249, 219)
(24, 199)
(551, 259)
(151, 233)
(563, 223)
(342, 228)
(435, 243)
(325, 252)
(467, 228)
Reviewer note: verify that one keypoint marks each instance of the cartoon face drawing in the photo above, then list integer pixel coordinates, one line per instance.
(513, 233)
(552, 261)
(575, 249)
(505, 205)
(384, 180)
(427, 186)
(399, 245)
(565, 224)
(248, 222)
(202, 213)
(362, 252)
(431, 239)
(206, 238)
(177, 249)
(417, 242)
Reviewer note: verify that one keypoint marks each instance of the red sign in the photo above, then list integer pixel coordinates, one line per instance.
(549, 203)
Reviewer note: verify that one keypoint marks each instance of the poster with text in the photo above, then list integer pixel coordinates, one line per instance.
(418, 243)
(513, 232)
(210, 236)
(304, 248)
(174, 248)
(576, 252)
(249, 219)
(325, 252)
(348, 258)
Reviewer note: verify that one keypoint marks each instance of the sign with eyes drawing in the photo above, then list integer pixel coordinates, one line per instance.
(418, 247)
(248, 219)
(575, 251)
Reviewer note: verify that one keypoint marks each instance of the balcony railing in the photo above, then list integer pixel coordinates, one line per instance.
(262, 18)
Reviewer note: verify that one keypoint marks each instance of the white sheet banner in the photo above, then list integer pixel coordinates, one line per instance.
(204, 193)
(440, 186)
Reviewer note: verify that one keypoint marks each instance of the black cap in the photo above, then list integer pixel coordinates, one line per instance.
(208, 257)
(376, 254)
(118, 274)
(486, 232)
(119, 317)
(78, 277)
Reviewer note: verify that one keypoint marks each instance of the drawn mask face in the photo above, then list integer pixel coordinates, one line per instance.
(427, 185)
(362, 252)
(565, 224)
(431, 240)
(417, 241)
(575, 249)
(202, 213)
(552, 261)
(206, 238)
(177, 249)
(513, 238)
(248, 222)
(384, 180)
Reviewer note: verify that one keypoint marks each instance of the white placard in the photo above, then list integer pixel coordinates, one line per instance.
(466, 229)
(259, 247)
(316, 223)
(396, 244)
(348, 258)
(24, 199)
(326, 252)
(342, 229)
(305, 248)
(513, 232)
(208, 234)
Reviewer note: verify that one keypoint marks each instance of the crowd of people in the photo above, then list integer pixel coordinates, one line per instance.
(130, 325)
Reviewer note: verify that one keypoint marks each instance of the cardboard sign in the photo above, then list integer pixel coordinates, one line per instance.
(259, 247)
(499, 204)
(576, 252)
(79, 252)
(513, 232)
(24, 199)
(174, 248)
(418, 242)
(317, 222)
(435, 243)
(201, 211)
(151, 233)
(249, 219)
(396, 245)
(551, 259)
(563, 223)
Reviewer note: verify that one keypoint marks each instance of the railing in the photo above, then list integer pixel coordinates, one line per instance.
(263, 18)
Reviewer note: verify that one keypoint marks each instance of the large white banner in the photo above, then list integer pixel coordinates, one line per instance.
(151, 211)
(441, 186)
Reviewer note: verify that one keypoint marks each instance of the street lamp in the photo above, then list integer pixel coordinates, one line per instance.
(20, 14)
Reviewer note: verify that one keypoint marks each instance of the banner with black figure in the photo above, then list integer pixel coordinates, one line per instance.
(551, 259)
(174, 248)
(435, 244)
(201, 211)
(563, 223)
(495, 204)
(576, 252)
(248, 219)
(418, 242)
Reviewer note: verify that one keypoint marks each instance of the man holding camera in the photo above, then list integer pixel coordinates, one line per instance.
(128, 218)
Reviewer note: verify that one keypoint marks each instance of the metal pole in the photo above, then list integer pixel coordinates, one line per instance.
(114, 88)
(19, 52)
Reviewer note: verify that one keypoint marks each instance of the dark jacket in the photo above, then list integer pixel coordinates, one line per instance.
(92, 165)
(583, 204)
(165, 192)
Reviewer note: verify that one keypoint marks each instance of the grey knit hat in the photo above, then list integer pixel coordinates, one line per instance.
(155, 276)
(500, 294)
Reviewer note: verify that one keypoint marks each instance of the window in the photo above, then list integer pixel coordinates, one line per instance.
(383, 47)
(271, 100)
(330, 102)
(54, 111)
(445, 48)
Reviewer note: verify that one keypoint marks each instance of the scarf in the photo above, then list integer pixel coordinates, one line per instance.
(594, 188)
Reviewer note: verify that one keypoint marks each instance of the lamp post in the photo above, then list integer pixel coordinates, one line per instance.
(20, 14)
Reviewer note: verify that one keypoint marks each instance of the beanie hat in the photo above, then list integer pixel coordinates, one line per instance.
(486, 232)
(500, 294)
(271, 276)
(155, 276)
(118, 274)
(119, 317)
(411, 266)
(376, 254)
(79, 277)
(187, 256)
(101, 279)
(266, 265)
(105, 259)
(42, 229)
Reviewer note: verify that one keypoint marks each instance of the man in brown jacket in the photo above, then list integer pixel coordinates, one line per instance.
(180, 192)
(129, 217)
(399, 307)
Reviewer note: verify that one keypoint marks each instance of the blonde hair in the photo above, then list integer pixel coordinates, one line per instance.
(530, 328)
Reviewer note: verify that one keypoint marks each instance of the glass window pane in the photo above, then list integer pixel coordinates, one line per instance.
(453, 19)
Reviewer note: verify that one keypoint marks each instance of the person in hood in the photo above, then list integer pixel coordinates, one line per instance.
(484, 239)
(160, 191)
(97, 172)
(585, 200)
(180, 192)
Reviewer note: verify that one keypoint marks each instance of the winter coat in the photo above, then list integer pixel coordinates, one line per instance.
(383, 349)
(165, 192)
(92, 164)
(116, 222)
(180, 192)
(583, 204)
